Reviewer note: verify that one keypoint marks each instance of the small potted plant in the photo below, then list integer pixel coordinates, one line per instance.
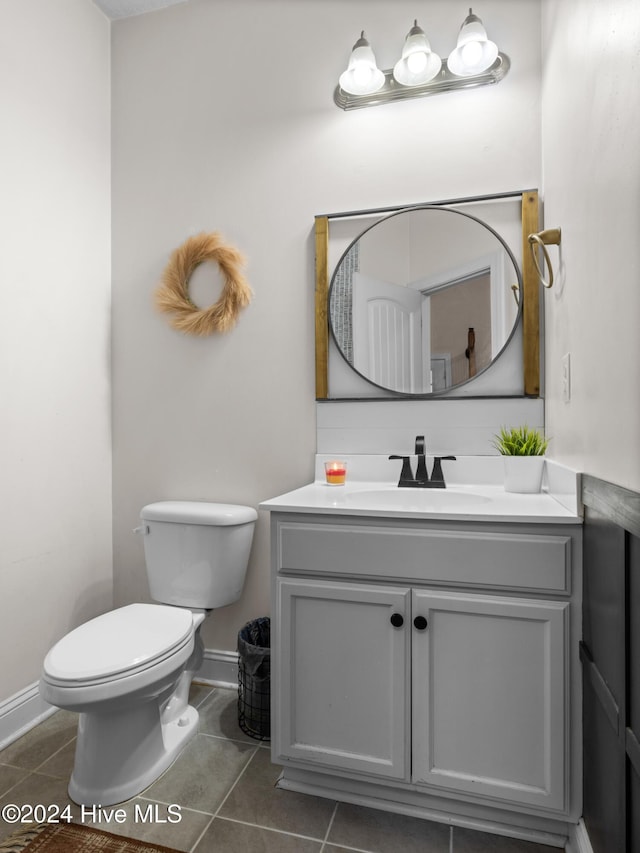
(523, 449)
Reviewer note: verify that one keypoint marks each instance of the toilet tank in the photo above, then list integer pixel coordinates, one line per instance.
(197, 552)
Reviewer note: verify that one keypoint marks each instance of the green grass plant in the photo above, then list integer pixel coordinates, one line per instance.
(520, 441)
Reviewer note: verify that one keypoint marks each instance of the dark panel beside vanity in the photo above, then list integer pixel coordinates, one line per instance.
(610, 654)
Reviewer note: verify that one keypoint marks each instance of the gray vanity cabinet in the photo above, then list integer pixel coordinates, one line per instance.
(343, 676)
(488, 696)
(428, 657)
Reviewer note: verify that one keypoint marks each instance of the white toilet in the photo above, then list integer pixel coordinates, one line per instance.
(128, 672)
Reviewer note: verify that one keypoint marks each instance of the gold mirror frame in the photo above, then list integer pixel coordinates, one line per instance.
(530, 292)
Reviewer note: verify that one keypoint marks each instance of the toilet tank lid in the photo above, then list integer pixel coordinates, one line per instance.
(198, 512)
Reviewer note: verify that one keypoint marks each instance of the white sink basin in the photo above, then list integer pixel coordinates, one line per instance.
(416, 500)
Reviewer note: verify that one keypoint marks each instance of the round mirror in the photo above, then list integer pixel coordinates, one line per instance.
(423, 300)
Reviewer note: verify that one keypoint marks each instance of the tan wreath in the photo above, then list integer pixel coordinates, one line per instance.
(172, 296)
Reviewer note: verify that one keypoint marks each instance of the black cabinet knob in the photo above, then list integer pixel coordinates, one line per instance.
(420, 623)
(397, 620)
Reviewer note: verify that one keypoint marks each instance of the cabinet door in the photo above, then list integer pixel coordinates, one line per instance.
(489, 711)
(342, 676)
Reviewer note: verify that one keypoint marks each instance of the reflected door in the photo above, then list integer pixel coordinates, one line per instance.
(388, 335)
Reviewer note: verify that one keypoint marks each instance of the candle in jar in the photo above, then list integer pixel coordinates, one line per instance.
(335, 472)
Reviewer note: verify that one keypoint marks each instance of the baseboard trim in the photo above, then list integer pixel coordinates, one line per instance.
(496, 821)
(579, 841)
(219, 668)
(22, 712)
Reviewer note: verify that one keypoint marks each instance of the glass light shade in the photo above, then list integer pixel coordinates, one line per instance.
(474, 52)
(418, 63)
(362, 77)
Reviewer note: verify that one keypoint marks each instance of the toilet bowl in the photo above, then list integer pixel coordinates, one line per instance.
(128, 672)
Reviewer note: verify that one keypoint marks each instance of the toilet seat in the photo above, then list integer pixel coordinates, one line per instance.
(118, 644)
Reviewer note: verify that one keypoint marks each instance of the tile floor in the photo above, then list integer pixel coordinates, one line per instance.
(224, 784)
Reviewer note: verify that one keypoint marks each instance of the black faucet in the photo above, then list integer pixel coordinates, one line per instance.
(437, 477)
(422, 477)
(406, 475)
(421, 480)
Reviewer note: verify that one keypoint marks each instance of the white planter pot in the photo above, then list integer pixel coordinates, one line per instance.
(523, 473)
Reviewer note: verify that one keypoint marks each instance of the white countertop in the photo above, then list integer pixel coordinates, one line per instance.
(475, 501)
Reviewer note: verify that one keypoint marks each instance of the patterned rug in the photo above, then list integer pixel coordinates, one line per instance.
(74, 838)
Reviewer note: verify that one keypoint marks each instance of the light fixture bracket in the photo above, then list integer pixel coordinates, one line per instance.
(444, 82)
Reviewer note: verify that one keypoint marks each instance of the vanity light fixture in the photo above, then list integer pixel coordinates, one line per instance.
(362, 77)
(418, 63)
(474, 53)
(475, 61)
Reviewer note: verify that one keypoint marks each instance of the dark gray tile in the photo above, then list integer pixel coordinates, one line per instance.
(156, 823)
(36, 789)
(198, 692)
(202, 776)
(256, 800)
(331, 848)
(41, 742)
(226, 836)
(384, 832)
(219, 716)
(10, 776)
(470, 841)
(61, 763)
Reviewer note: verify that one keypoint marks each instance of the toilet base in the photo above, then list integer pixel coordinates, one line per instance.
(119, 754)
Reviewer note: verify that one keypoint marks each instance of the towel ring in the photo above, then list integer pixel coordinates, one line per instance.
(543, 239)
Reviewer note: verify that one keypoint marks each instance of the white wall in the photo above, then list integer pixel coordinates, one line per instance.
(197, 148)
(199, 145)
(207, 135)
(591, 140)
(55, 463)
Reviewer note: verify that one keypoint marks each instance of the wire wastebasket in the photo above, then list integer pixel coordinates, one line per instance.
(254, 678)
